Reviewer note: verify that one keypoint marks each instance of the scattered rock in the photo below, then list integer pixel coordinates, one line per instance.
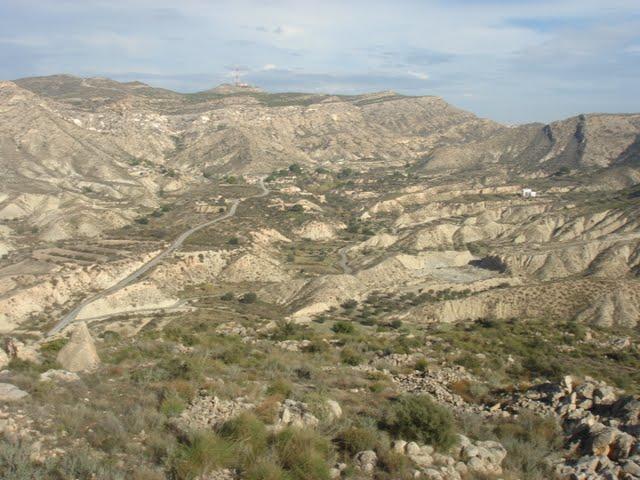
(296, 414)
(334, 410)
(209, 412)
(59, 376)
(11, 393)
(366, 461)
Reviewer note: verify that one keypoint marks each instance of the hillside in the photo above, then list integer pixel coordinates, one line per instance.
(236, 284)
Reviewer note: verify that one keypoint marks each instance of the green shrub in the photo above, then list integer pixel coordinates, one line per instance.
(249, 297)
(418, 418)
(297, 208)
(172, 406)
(280, 387)
(304, 454)
(285, 330)
(529, 442)
(227, 297)
(343, 327)
(394, 463)
(421, 365)
(204, 452)
(349, 304)
(54, 346)
(350, 356)
(356, 439)
(15, 463)
(107, 433)
(248, 434)
(295, 168)
(264, 469)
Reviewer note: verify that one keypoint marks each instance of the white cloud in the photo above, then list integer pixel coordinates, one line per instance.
(269, 66)
(419, 75)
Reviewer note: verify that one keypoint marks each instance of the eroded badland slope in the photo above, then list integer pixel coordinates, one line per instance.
(378, 300)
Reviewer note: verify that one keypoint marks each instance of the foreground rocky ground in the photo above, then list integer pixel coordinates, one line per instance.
(249, 395)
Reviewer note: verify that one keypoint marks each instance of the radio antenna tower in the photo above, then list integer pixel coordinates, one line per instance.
(236, 76)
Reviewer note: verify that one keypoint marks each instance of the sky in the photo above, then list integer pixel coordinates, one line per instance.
(514, 61)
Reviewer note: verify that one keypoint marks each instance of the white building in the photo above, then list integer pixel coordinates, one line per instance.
(528, 193)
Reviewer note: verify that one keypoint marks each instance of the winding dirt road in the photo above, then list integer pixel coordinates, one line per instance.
(134, 276)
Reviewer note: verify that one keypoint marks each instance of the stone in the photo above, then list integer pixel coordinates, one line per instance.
(412, 448)
(461, 468)
(334, 409)
(59, 376)
(432, 474)
(296, 414)
(441, 459)
(399, 446)
(585, 390)
(600, 440)
(631, 467)
(622, 446)
(79, 354)
(426, 450)
(11, 393)
(366, 461)
(207, 412)
(422, 460)
(604, 395)
(567, 383)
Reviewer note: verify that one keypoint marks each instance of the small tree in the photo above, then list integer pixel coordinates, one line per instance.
(295, 168)
(249, 297)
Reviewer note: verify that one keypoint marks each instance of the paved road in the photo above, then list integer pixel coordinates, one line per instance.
(133, 277)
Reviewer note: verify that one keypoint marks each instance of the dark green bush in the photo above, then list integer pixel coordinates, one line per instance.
(417, 418)
(343, 327)
(356, 439)
(249, 297)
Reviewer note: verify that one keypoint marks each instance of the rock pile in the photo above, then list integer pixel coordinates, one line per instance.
(469, 457)
(601, 427)
(295, 414)
(209, 412)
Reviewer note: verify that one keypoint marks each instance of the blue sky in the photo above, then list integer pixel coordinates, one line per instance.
(513, 61)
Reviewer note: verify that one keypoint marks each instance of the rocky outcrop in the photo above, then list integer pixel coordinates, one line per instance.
(79, 354)
(207, 412)
(316, 230)
(295, 414)
(601, 428)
